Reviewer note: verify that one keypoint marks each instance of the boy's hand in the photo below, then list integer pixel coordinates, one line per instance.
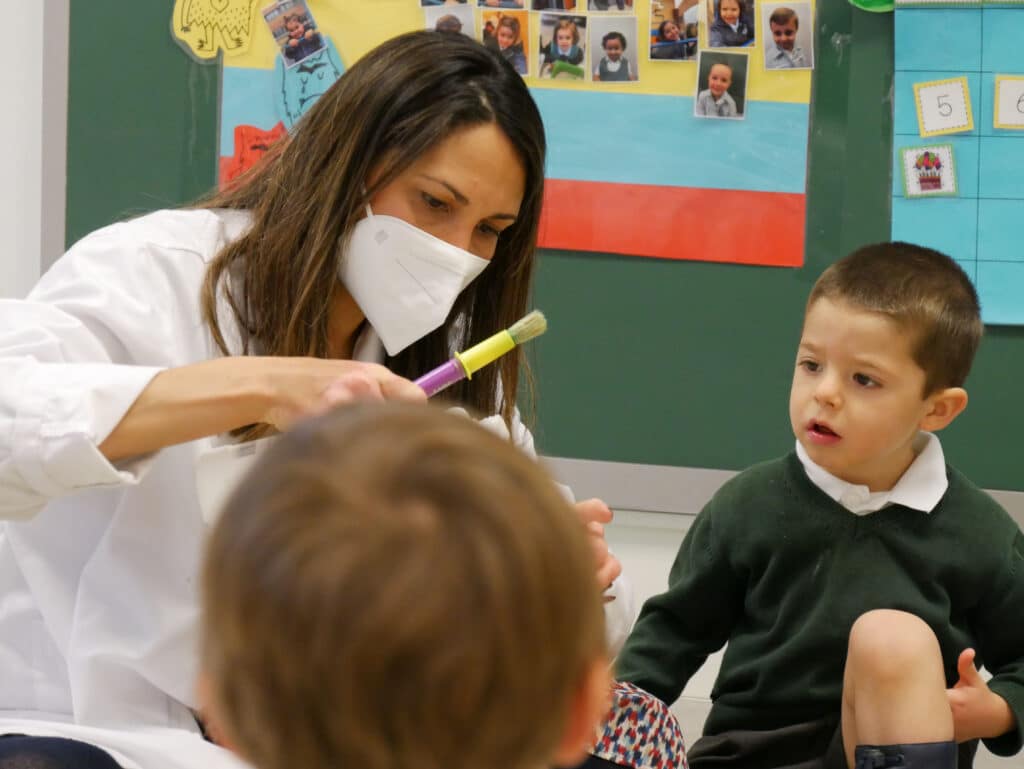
(977, 710)
(594, 513)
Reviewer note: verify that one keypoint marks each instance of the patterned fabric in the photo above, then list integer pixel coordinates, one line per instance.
(640, 732)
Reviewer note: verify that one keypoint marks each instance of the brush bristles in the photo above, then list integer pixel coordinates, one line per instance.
(529, 326)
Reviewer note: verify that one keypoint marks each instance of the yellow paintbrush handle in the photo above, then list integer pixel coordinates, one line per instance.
(479, 355)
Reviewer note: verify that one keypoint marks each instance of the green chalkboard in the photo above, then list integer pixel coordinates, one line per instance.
(142, 116)
(689, 364)
(674, 363)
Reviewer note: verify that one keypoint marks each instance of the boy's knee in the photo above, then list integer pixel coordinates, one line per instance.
(891, 644)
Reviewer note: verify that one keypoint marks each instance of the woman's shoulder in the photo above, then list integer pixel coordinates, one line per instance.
(168, 247)
(199, 231)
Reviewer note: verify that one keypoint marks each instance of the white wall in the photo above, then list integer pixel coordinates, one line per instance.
(33, 131)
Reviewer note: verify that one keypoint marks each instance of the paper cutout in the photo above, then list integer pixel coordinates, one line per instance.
(251, 144)
(204, 27)
(943, 107)
(1009, 102)
(928, 171)
(300, 86)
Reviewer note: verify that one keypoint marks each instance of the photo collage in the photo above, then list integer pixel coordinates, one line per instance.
(602, 41)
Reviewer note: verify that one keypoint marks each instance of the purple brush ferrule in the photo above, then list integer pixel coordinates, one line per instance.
(441, 377)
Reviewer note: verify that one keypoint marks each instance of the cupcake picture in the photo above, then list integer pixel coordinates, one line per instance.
(928, 171)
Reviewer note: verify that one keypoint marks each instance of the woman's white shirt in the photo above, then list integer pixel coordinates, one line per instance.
(98, 593)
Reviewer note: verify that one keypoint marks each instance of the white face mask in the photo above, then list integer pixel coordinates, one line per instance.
(403, 279)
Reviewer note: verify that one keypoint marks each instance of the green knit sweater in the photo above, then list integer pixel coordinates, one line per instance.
(779, 570)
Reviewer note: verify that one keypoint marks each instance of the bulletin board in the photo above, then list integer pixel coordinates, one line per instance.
(631, 169)
(959, 143)
(662, 362)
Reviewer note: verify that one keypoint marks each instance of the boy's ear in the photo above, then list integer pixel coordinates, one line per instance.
(588, 706)
(209, 712)
(944, 406)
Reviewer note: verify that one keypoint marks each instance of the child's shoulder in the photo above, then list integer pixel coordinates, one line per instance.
(974, 508)
(757, 483)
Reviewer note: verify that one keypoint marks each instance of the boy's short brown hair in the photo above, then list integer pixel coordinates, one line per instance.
(395, 587)
(782, 16)
(923, 291)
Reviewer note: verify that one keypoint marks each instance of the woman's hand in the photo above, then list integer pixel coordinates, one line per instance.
(217, 396)
(302, 387)
(595, 514)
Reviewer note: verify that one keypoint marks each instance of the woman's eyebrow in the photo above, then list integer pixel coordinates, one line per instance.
(458, 195)
(462, 198)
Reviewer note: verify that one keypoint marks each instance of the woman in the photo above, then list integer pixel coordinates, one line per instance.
(402, 213)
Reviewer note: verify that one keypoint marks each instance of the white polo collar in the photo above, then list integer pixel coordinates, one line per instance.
(920, 487)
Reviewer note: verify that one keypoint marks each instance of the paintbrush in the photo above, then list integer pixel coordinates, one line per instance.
(467, 363)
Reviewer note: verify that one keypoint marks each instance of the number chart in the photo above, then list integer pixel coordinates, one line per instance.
(958, 144)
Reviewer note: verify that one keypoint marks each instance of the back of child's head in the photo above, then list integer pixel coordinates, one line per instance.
(924, 292)
(782, 16)
(393, 587)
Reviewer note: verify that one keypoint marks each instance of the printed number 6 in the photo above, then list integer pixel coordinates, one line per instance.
(946, 109)
(1020, 104)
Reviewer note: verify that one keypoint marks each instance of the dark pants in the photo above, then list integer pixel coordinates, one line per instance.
(19, 751)
(812, 745)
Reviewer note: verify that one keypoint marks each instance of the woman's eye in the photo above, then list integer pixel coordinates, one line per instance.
(864, 380)
(434, 203)
(488, 230)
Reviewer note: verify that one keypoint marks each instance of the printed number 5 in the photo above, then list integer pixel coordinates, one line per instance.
(946, 109)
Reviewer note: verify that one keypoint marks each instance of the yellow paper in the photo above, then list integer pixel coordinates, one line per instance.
(204, 27)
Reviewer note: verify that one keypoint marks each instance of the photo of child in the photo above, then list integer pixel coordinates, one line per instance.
(610, 5)
(553, 5)
(669, 41)
(673, 29)
(502, 4)
(721, 85)
(613, 49)
(508, 36)
(732, 24)
(454, 18)
(294, 30)
(788, 42)
(562, 46)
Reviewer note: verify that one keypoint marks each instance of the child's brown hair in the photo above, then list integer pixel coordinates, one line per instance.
(566, 24)
(394, 587)
(782, 16)
(924, 292)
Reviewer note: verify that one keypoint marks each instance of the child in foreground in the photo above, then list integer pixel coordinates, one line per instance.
(858, 580)
(397, 588)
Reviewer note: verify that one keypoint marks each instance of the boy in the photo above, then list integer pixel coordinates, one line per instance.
(784, 53)
(397, 588)
(715, 101)
(854, 578)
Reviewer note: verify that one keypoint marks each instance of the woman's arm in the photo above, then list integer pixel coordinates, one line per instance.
(216, 396)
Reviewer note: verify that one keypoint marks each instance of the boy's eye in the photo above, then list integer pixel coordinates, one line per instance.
(810, 365)
(864, 380)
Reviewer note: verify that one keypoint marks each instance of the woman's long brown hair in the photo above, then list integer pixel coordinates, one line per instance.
(305, 196)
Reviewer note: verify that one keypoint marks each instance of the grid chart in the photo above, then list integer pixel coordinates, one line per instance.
(981, 224)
